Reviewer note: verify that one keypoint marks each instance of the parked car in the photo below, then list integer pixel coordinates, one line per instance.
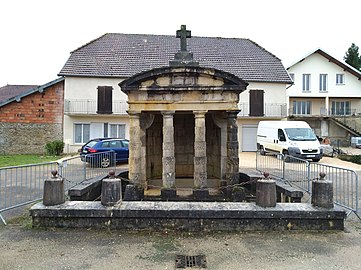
(100, 152)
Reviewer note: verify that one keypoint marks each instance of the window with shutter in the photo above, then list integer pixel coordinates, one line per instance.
(256, 103)
(105, 100)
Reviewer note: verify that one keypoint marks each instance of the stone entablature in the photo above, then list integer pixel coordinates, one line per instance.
(181, 88)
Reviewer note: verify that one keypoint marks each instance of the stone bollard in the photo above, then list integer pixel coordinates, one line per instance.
(322, 192)
(53, 190)
(133, 193)
(168, 194)
(200, 194)
(266, 192)
(111, 190)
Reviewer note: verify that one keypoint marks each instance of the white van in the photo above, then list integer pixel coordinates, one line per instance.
(294, 138)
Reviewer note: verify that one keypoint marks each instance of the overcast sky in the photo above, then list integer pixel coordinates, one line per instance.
(37, 36)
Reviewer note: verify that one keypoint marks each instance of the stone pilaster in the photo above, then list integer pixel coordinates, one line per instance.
(200, 150)
(168, 160)
(232, 170)
(135, 151)
(146, 120)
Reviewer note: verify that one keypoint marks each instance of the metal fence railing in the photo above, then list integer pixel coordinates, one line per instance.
(300, 173)
(22, 185)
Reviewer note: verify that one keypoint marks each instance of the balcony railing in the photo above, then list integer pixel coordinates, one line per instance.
(324, 112)
(269, 109)
(89, 106)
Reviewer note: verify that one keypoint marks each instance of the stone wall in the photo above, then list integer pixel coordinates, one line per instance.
(184, 144)
(27, 138)
(213, 137)
(336, 134)
(154, 139)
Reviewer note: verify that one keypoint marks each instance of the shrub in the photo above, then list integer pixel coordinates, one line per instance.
(54, 148)
(354, 159)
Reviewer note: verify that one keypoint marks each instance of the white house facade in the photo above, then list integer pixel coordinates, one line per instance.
(326, 93)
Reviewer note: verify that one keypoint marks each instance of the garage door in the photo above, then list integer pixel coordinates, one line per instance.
(249, 138)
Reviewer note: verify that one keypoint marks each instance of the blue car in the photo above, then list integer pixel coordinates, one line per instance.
(100, 152)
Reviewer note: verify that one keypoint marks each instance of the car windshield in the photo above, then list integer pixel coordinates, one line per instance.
(300, 134)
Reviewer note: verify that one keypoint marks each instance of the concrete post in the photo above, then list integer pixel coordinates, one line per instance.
(322, 192)
(111, 190)
(266, 192)
(53, 190)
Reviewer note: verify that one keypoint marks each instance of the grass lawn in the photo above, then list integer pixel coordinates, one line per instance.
(15, 160)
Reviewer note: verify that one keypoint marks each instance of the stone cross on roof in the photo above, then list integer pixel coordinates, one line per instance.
(183, 57)
(183, 34)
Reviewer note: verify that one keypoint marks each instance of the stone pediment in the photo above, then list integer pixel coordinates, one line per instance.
(184, 78)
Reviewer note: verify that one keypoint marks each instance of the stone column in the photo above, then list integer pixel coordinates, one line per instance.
(327, 105)
(134, 148)
(168, 159)
(200, 150)
(232, 171)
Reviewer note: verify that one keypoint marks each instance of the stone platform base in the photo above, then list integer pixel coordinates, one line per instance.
(188, 216)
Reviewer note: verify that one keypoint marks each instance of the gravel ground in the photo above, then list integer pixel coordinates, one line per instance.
(25, 248)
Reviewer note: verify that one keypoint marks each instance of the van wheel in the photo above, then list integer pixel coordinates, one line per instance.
(285, 156)
(262, 151)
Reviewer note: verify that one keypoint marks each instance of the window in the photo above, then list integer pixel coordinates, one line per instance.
(105, 100)
(306, 82)
(323, 82)
(112, 144)
(117, 131)
(82, 133)
(105, 130)
(301, 107)
(341, 108)
(281, 136)
(340, 79)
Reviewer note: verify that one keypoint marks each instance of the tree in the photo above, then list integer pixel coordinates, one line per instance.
(352, 57)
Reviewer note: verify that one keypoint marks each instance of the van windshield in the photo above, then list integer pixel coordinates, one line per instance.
(300, 134)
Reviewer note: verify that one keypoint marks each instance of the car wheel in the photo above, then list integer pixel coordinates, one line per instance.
(315, 159)
(105, 162)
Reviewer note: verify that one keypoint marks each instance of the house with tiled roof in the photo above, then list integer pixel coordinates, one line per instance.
(31, 116)
(9, 91)
(96, 107)
(327, 94)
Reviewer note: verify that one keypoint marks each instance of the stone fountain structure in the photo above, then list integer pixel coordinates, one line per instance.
(183, 131)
